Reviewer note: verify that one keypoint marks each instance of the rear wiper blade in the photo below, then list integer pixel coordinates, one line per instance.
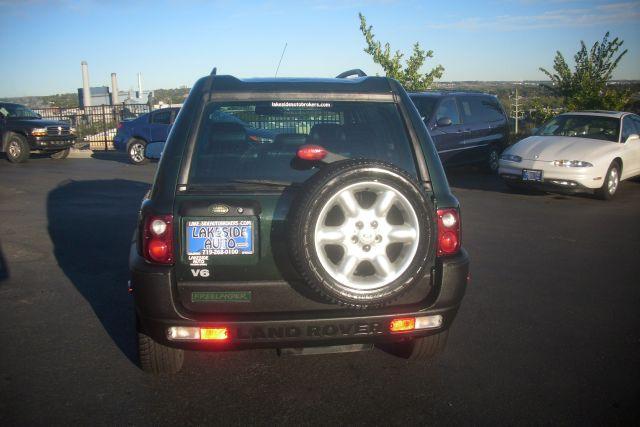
(265, 182)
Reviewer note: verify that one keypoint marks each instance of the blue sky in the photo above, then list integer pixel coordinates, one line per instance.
(173, 42)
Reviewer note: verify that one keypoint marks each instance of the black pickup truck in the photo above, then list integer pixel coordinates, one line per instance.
(23, 131)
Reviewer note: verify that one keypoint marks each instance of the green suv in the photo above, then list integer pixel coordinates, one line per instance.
(338, 232)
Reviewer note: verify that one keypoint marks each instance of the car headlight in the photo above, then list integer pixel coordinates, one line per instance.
(572, 164)
(39, 132)
(511, 158)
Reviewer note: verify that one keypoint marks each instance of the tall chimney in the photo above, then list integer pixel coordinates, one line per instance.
(86, 91)
(114, 89)
(139, 85)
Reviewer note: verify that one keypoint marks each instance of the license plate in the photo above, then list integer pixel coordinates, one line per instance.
(532, 175)
(220, 237)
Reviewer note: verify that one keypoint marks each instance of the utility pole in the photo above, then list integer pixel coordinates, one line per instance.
(517, 116)
(517, 110)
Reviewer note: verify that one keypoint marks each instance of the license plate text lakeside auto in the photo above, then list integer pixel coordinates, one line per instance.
(222, 237)
(532, 175)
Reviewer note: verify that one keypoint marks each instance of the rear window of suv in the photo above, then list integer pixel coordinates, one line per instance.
(480, 109)
(258, 141)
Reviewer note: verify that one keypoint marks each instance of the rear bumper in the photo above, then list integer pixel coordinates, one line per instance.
(157, 310)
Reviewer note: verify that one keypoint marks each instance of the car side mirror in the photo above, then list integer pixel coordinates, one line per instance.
(444, 122)
(632, 137)
(39, 115)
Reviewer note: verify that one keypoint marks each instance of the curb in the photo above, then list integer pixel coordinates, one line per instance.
(80, 154)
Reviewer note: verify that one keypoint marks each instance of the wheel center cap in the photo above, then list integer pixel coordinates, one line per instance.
(366, 236)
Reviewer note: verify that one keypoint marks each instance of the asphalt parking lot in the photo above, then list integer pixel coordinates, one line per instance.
(549, 331)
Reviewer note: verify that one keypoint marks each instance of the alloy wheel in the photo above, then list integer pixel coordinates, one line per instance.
(14, 149)
(613, 181)
(366, 235)
(493, 160)
(136, 152)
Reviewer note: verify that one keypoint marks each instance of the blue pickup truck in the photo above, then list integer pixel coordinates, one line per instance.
(133, 136)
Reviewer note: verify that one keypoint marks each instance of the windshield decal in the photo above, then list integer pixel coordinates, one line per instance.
(301, 104)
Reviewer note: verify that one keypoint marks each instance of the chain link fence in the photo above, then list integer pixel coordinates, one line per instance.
(97, 125)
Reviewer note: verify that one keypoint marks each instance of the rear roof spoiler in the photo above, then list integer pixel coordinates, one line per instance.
(355, 72)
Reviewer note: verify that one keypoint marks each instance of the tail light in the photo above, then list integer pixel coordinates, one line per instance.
(402, 324)
(259, 139)
(120, 125)
(408, 324)
(214, 334)
(312, 152)
(193, 333)
(448, 231)
(157, 239)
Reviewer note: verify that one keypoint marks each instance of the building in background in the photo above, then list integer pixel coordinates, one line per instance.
(102, 96)
(98, 95)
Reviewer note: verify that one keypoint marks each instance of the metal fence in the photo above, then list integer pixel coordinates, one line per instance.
(97, 125)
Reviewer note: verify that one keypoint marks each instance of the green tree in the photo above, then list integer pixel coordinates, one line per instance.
(408, 75)
(586, 86)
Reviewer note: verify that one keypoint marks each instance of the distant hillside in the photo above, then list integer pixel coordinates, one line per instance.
(504, 90)
(65, 100)
(70, 100)
(171, 96)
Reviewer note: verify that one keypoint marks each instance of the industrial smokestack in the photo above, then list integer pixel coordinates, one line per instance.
(139, 85)
(114, 89)
(86, 91)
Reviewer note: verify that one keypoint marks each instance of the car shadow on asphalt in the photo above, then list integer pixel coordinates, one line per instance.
(112, 156)
(4, 268)
(91, 224)
(472, 178)
(115, 156)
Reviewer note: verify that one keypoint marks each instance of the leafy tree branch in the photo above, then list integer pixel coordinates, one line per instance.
(408, 75)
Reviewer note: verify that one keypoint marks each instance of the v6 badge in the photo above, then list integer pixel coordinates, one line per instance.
(200, 272)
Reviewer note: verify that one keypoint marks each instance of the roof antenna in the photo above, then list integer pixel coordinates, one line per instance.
(280, 62)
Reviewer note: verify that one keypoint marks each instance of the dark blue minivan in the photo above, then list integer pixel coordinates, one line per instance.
(466, 127)
(133, 136)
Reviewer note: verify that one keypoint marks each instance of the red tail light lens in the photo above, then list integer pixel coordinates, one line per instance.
(120, 125)
(157, 239)
(448, 231)
(312, 152)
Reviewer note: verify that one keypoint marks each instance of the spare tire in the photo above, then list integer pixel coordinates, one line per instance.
(362, 232)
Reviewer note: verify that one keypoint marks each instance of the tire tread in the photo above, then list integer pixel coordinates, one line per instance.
(298, 246)
(25, 149)
(157, 358)
(418, 349)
